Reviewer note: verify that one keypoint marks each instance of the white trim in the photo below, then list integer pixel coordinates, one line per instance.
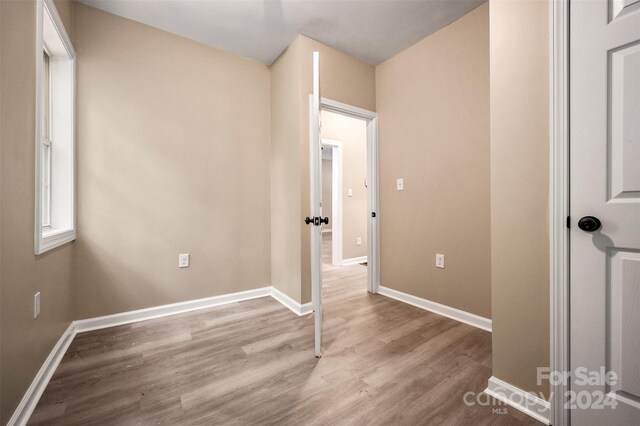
(526, 402)
(354, 261)
(166, 310)
(31, 397)
(326, 231)
(373, 228)
(65, 230)
(294, 306)
(559, 205)
(60, 28)
(437, 308)
(373, 224)
(336, 199)
(54, 239)
(346, 109)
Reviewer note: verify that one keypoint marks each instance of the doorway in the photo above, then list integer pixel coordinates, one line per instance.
(317, 104)
(344, 189)
(348, 138)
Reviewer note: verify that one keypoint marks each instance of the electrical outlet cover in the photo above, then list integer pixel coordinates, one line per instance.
(36, 305)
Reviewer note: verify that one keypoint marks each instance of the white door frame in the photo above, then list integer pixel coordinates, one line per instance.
(373, 223)
(559, 205)
(336, 199)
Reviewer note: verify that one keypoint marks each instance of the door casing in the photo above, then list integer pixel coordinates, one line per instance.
(373, 223)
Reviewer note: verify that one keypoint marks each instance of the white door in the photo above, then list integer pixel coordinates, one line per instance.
(605, 184)
(315, 220)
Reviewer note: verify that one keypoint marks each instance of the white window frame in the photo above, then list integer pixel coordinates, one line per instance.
(52, 37)
(46, 145)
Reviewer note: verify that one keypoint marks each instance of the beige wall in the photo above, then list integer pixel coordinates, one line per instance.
(519, 190)
(327, 192)
(173, 157)
(353, 135)
(25, 342)
(342, 78)
(286, 160)
(433, 107)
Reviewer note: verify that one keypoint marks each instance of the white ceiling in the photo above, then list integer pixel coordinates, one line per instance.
(370, 30)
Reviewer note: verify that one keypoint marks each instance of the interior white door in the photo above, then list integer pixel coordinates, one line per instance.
(605, 184)
(315, 158)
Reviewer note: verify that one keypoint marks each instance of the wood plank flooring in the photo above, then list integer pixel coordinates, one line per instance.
(252, 363)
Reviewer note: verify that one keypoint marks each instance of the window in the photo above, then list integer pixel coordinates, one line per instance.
(46, 144)
(55, 135)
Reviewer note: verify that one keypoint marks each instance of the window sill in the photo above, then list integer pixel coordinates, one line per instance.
(52, 238)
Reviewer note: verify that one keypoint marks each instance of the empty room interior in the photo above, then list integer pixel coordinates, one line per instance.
(319, 212)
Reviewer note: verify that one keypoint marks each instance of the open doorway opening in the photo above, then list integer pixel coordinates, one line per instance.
(371, 271)
(345, 198)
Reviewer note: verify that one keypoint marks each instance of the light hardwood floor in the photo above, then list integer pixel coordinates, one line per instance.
(384, 363)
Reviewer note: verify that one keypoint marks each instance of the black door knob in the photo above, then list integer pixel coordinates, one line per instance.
(325, 220)
(589, 224)
(308, 220)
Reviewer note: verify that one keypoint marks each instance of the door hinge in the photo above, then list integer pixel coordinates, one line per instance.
(568, 222)
(373, 214)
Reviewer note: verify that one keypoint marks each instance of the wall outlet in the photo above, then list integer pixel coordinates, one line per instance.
(359, 241)
(400, 184)
(36, 305)
(350, 192)
(439, 260)
(183, 260)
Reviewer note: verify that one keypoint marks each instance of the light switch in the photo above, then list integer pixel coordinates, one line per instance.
(183, 260)
(400, 184)
(349, 192)
(439, 260)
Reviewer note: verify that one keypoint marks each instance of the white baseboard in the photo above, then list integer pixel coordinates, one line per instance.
(437, 308)
(326, 231)
(528, 403)
(354, 260)
(32, 396)
(165, 310)
(30, 399)
(297, 308)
